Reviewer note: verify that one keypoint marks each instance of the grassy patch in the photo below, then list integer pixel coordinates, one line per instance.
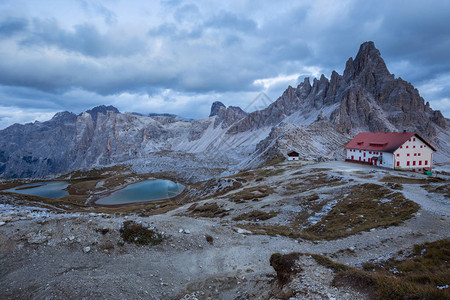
(137, 234)
(443, 189)
(272, 230)
(313, 181)
(270, 172)
(326, 262)
(367, 206)
(256, 215)
(425, 274)
(253, 193)
(208, 210)
(407, 180)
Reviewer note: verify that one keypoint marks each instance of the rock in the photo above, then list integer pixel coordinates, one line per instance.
(30, 234)
(242, 231)
(2, 223)
(37, 239)
(71, 238)
(6, 219)
(187, 231)
(86, 249)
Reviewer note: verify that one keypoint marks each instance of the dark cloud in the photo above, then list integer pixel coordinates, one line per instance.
(10, 26)
(84, 39)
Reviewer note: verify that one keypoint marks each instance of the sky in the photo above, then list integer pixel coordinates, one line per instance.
(180, 56)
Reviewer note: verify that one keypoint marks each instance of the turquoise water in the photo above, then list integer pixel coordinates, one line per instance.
(143, 191)
(49, 189)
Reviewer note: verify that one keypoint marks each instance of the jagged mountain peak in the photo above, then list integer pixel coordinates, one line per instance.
(102, 109)
(63, 116)
(367, 61)
(226, 115)
(215, 108)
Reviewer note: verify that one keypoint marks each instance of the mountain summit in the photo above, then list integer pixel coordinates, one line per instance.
(315, 119)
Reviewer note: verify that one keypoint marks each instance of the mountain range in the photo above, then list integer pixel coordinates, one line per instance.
(315, 119)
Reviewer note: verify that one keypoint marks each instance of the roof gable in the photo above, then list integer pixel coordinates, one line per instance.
(383, 141)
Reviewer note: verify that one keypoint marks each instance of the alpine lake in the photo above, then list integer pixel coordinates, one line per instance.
(142, 192)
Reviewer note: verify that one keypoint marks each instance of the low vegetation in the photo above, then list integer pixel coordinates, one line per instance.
(253, 193)
(272, 230)
(366, 206)
(409, 180)
(358, 208)
(208, 210)
(255, 215)
(424, 274)
(312, 181)
(442, 189)
(138, 234)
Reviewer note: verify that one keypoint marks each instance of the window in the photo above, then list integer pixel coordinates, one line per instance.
(420, 162)
(407, 154)
(370, 152)
(414, 170)
(421, 146)
(398, 164)
(401, 147)
(359, 151)
(418, 154)
(398, 154)
(407, 163)
(407, 146)
(420, 170)
(360, 158)
(414, 163)
(426, 163)
(414, 139)
(415, 154)
(353, 157)
(409, 140)
(414, 146)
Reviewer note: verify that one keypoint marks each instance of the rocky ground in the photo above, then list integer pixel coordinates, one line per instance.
(210, 249)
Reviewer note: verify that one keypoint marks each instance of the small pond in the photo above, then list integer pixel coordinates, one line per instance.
(151, 190)
(49, 189)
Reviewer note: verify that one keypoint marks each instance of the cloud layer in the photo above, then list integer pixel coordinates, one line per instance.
(180, 56)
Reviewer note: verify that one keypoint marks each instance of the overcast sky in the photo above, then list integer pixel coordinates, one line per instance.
(179, 56)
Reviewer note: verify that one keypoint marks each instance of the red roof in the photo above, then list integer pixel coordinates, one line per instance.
(293, 153)
(382, 141)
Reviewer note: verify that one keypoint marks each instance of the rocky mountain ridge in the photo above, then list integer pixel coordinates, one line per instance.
(366, 97)
(314, 119)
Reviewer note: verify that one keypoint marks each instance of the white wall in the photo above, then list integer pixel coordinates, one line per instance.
(388, 160)
(420, 155)
(367, 156)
